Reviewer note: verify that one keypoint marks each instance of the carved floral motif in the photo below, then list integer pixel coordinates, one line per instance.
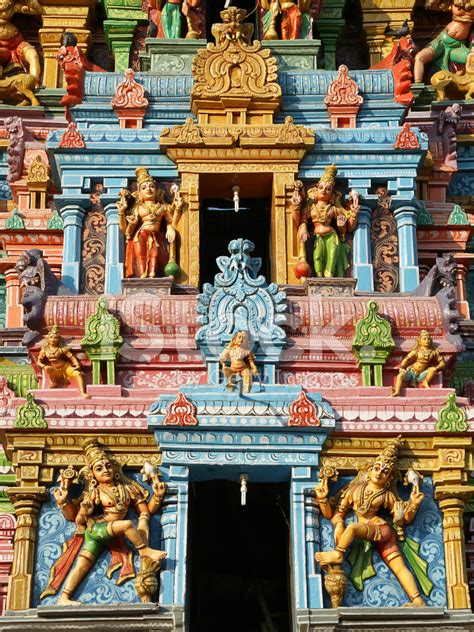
(303, 412)
(343, 90)
(130, 94)
(72, 138)
(181, 412)
(407, 139)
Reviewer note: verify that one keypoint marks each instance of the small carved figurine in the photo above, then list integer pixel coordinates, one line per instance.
(59, 363)
(100, 514)
(452, 44)
(372, 491)
(168, 21)
(148, 214)
(448, 123)
(420, 365)
(331, 222)
(242, 362)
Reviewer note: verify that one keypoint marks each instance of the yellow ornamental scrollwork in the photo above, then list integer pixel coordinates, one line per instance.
(232, 67)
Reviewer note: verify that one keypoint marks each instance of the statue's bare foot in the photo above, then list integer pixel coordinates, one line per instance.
(394, 393)
(329, 557)
(65, 601)
(425, 384)
(153, 554)
(417, 602)
(85, 396)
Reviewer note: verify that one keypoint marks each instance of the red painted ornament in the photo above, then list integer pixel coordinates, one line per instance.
(302, 269)
(181, 412)
(407, 139)
(303, 412)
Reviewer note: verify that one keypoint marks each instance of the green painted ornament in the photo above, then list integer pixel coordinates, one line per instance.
(172, 269)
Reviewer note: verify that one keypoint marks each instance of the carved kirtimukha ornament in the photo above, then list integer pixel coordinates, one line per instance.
(420, 365)
(72, 138)
(30, 415)
(303, 412)
(129, 102)
(407, 139)
(343, 100)
(372, 492)
(100, 514)
(452, 418)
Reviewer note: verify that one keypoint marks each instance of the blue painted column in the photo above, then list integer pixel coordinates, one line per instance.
(174, 529)
(405, 217)
(307, 584)
(73, 218)
(113, 252)
(362, 268)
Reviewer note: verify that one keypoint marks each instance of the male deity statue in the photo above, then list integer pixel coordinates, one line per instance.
(330, 222)
(143, 217)
(100, 514)
(368, 495)
(420, 365)
(15, 52)
(59, 363)
(242, 361)
(453, 44)
(295, 18)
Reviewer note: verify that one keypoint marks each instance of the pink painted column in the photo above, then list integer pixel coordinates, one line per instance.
(7, 532)
(14, 311)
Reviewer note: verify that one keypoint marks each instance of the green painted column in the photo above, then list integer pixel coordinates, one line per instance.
(122, 19)
(330, 23)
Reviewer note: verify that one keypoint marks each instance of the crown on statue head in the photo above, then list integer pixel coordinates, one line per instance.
(94, 453)
(329, 175)
(143, 175)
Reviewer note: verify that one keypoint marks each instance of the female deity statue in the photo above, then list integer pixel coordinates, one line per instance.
(368, 495)
(59, 363)
(15, 51)
(420, 365)
(168, 17)
(331, 223)
(295, 18)
(142, 217)
(242, 362)
(100, 514)
(453, 44)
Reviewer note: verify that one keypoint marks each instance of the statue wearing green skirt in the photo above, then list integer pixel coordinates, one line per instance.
(330, 221)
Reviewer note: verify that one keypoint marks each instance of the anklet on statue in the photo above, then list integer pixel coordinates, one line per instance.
(340, 549)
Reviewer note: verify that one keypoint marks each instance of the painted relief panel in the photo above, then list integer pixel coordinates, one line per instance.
(383, 589)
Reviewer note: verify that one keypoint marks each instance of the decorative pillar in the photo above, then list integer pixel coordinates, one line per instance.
(362, 268)
(73, 218)
(405, 217)
(174, 535)
(14, 311)
(330, 23)
(113, 252)
(453, 537)
(279, 229)
(188, 230)
(27, 503)
(306, 580)
(119, 35)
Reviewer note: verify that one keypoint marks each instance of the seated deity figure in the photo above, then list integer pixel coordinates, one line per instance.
(420, 365)
(452, 45)
(242, 362)
(59, 363)
(330, 221)
(100, 515)
(15, 51)
(143, 216)
(368, 495)
(295, 18)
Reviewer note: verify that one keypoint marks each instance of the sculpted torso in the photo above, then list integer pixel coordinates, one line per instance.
(461, 24)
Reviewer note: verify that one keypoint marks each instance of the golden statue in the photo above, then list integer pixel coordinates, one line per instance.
(331, 222)
(16, 52)
(367, 495)
(420, 365)
(143, 216)
(59, 363)
(242, 362)
(100, 514)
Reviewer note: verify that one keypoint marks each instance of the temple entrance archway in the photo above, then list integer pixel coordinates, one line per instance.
(239, 557)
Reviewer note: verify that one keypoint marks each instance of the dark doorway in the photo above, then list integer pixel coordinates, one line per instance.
(220, 224)
(239, 558)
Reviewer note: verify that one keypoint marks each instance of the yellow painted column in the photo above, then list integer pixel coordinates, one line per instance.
(188, 228)
(59, 16)
(27, 503)
(279, 228)
(377, 16)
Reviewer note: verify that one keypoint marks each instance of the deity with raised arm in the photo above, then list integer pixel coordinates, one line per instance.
(330, 223)
(146, 219)
(101, 517)
(15, 51)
